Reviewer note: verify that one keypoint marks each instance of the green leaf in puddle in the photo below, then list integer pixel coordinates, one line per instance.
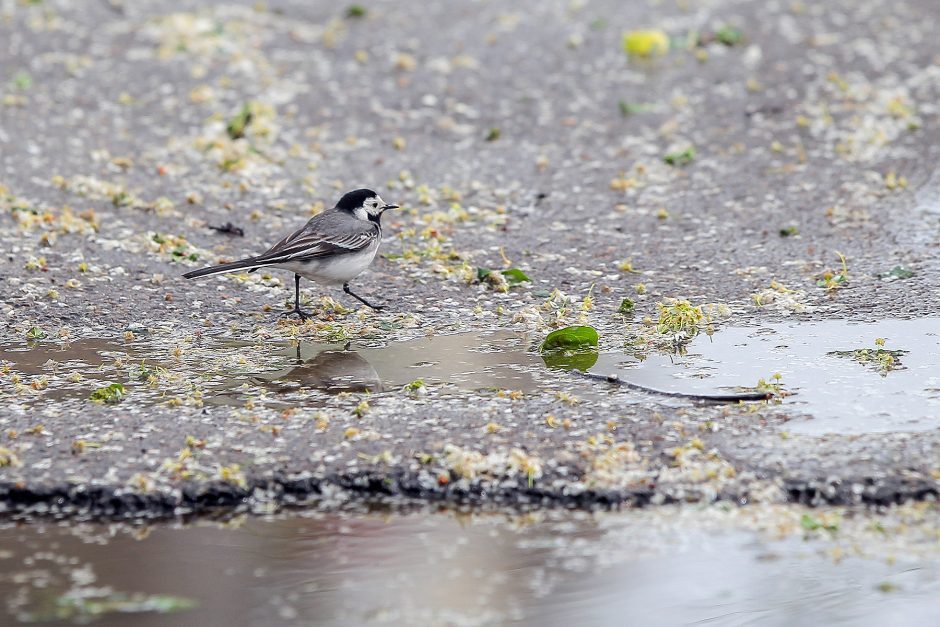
(571, 348)
(571, 360)
(35, 333)
(108, 394)
(570, 338)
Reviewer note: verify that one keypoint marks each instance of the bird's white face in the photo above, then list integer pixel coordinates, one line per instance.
(371, 207)
(374, 206)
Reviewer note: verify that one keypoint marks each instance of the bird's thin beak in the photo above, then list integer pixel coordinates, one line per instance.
(387, 207)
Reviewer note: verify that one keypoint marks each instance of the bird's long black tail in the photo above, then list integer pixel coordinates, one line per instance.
(250, 263)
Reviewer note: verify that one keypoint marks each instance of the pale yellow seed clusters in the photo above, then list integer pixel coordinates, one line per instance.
(233, 474)
(679, 316)
(468, 464)
(895, 181)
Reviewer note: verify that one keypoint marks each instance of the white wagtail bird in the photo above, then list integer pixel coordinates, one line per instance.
(333, 248)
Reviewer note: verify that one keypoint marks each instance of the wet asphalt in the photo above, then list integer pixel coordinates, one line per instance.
(513, 135)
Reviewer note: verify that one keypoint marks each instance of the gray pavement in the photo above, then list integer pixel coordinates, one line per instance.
(513, 134)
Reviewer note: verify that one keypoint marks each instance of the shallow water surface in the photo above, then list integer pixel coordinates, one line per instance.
(832, 390)
(833, 393)
(652, 567)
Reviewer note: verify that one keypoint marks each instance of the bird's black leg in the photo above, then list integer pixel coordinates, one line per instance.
(361, 299)
(297, 310)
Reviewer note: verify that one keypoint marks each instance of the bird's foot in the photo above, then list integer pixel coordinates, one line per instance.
(362, 300)
(300, 313)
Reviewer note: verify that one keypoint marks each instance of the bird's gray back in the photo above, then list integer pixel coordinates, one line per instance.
(340, 224)
(329, 233)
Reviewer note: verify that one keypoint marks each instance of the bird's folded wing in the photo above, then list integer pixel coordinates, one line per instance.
(308, 245)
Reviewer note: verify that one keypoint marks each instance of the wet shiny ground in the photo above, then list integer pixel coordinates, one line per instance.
(669, 566)
(831, 369)
(832, 392)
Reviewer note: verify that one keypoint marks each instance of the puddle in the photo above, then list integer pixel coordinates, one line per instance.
(469, 361)
(663, 566)
(834, 393)
(840, 394)
(231, 371)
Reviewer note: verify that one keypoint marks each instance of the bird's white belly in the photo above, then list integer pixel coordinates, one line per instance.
(334, 270)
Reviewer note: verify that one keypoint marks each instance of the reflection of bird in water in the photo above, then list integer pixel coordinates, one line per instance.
(332, 371)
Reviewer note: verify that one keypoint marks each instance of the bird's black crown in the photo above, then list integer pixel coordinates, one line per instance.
(355, 199)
